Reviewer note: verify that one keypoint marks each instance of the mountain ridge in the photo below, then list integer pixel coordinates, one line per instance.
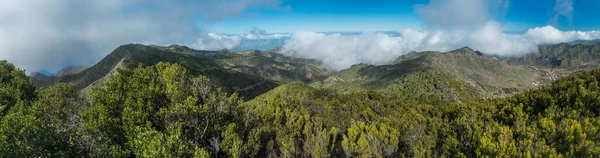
(224, 67)
(457, 75)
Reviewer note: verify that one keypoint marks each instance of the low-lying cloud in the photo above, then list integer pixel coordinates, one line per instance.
(451, 24)
(50, 34)
(549, 34)
(338, 51)
(256, 39)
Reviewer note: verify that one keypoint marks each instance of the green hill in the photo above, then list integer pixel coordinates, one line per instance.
(559, 120)
(165, 111)
(563, 56)
(560, 60)
(247, 73)
(458, 75)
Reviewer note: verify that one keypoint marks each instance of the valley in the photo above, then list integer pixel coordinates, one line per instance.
(299, 79)
(459, 75)
(176, 101)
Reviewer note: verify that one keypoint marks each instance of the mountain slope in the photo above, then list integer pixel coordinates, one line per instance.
(561, 59)
(497, 78)
(69, 70)
(247, 74)
(270, 65)
(457, 75)
(561, 56)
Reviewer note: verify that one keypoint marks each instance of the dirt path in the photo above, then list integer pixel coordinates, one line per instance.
(238, 89)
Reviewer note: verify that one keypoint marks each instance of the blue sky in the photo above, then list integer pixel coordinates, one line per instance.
(328, 16)
(392, 15)
(530, 13)
(52, 34)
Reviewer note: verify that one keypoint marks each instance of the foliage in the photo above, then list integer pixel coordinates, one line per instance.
(456, 76)
(247, 73)
(155, 111)
(14, 87)
(165, 111)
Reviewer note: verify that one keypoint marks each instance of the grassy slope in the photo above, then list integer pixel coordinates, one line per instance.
(249, 74)
(561, 56)
(496, 78)
(271, 65)
(561, 60)
(458, 75)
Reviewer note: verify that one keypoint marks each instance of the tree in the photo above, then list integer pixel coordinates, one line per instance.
(162, 104)
(14, 87)
(373, 140)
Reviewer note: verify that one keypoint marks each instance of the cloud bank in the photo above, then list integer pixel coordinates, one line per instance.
(256, 39)
(451, 24)
(50, 34)
(338, 51)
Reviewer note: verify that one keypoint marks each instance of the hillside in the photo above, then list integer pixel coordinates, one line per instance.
(248, 74)
(269, 64)
(458, 75)
(548, 121)
(585, 42)
(561, 60)
(165, 111)
(563, 56)
(70, 70)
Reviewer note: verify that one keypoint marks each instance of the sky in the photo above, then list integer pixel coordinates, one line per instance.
(49, 35)
(390, 15)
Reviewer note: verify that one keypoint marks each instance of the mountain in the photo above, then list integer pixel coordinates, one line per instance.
(585, 42)
(561, 59)
(458, 75)
(40, 80)
(69, 70)
(146, 112)
(560, 56)
(249, 73)
(270, 65)
(427, 104)
(556, 118)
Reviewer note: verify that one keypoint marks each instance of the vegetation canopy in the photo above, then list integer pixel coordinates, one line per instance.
(164, 111)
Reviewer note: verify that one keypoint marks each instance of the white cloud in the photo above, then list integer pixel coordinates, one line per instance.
(549, 34)
(499, 7)
(214, 41)
(218, 9)
(254, 40)
(563, 8)
(51, 34)
(454, 24)
(338, 51)
(454, 13)
(461, 14)
(490, 39)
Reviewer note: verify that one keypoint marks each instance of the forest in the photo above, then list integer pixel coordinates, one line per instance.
(164, 111)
